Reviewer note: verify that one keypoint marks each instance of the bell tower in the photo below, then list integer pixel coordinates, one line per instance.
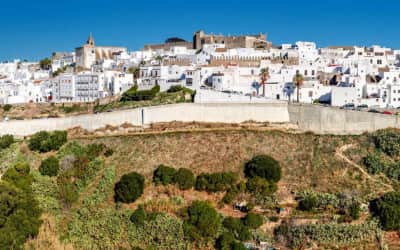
(90, 40)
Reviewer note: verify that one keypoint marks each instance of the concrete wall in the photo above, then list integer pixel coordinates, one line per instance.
(185, 112)
(328, 120)
(318, 119)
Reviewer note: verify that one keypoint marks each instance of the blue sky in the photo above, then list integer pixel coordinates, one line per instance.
(32, 29)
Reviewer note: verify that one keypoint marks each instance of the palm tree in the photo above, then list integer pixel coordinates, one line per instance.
(298, 80)
(264, 76)
(135, 71)
(159, 59)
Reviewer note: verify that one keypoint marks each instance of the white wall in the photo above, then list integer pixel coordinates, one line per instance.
(185, 112)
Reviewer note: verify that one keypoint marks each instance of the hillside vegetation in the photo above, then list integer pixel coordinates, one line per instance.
(204, 190)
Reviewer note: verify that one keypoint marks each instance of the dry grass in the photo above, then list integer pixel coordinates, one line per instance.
(307, 160)
(47, 237)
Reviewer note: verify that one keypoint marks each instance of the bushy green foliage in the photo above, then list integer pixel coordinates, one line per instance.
(72, 148)
(330, 233)
(50, 166)
(19, 216)
(109, 152)
(19, 211)
(95, 150)
(233, 192)
(175, 88)
(201, 221)
(140, 95)
(387, 209)
(7, 107)
(354, 210)
(393, 171)
(138, 217)
(129, 188)
(227, 242)
(253, 220)
(44, 141)
(388, 141)
(309, 203)
(164, 175)
(263, 166)
(178, 88)
(236, 227)
(6, 141)
(261, 186)
(374, 164)
(309, 200)
(19, 175)
(184, 178)
(216, 182)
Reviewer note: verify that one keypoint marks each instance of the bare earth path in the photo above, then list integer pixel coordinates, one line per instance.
(340, 154)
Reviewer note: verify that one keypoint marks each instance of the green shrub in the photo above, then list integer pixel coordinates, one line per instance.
(94, 150)
(44, 141)
(354, 210)
(19, 175)
(50, 166)
(38, 141)
(19, 216)
(265, 167)
(309, 203)
(261, 186)
(175, 88)
(184, 178)
(253, 220)
(387, 209)
(164, 175)
(230, 195)
(216, 182)
(6, 141)
(233, 192)
(309, 200)
(236, 227)
(7, 107)
(393, 171)
(374, 164)
(57, 139)
(227, 242)
(109, 152)
(202, 221)
(138, 217)
(388, 141)
(129, 188)
(140, 95)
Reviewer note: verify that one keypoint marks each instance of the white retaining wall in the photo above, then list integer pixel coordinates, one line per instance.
(185, 112)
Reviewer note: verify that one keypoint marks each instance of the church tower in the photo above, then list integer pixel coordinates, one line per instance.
(90, 40)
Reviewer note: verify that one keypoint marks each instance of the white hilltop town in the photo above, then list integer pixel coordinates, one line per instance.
(244, 68)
